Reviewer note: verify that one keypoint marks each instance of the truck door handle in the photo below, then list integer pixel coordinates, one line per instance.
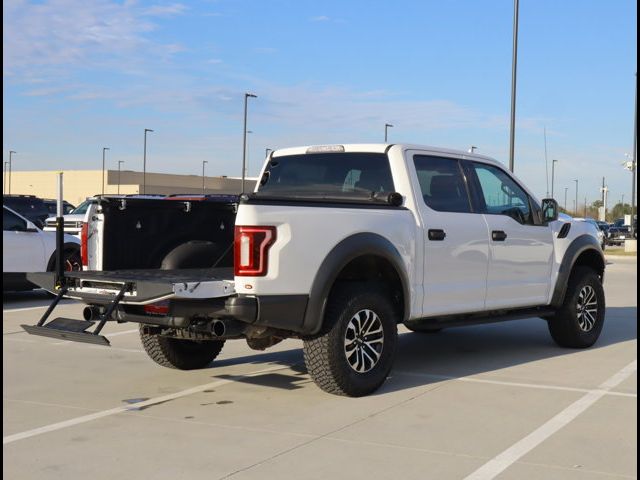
(436, 235)
(498, 236)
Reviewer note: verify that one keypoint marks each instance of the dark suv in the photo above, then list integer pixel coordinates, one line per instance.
(52, 207)
(28, 206)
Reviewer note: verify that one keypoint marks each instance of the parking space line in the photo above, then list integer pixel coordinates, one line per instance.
(114, 411)
(508, 457)
(512, 384)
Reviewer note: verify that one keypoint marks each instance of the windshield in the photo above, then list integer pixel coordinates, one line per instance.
(324, 175)
(82, 208)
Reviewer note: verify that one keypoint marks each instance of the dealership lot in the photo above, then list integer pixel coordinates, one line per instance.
(493, 401)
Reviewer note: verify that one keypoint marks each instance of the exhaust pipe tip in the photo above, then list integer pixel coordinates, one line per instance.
(91, 313)
(218, 328)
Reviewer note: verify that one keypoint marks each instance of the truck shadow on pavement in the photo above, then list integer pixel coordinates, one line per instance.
(424, 359)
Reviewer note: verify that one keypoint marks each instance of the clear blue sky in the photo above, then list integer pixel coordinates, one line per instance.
(80, 75)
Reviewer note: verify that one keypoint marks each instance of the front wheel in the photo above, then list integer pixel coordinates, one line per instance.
(578, 323)
(353, 355)
(178, 353)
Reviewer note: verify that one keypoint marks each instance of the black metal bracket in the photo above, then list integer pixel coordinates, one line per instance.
(71, 329)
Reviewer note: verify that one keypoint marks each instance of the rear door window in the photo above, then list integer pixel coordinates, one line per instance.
(442, 184)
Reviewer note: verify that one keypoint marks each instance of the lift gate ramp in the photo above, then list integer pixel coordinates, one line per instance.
(127, 287)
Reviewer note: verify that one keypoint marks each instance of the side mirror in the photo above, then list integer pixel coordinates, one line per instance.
(550, 210)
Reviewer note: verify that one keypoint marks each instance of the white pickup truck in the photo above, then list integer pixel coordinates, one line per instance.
(338, 245)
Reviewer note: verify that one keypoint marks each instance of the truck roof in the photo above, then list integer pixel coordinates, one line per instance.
(382, 148)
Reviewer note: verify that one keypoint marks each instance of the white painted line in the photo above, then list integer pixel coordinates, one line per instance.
(511, 384)
(114, 411)
(504, 460)
(11, 310)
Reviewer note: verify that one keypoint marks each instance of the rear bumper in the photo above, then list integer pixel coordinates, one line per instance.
(284, 312)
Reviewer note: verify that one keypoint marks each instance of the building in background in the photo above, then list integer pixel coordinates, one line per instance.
(80, 184)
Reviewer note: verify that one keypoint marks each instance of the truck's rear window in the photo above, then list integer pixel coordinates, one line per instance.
(327, 174)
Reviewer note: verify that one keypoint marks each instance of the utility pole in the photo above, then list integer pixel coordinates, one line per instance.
(11, 152)
(144, 162)
(546, 163)
(566, 189)
(204, 162)
(576, 209)
(553, 174)
(104, 149)
(120, 162)
(244, 138)
(4, 187)
(633, 159)
(514, 69)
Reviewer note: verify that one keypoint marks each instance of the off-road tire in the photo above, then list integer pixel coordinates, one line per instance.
(181, 354)
(325, 355)
(564, 325)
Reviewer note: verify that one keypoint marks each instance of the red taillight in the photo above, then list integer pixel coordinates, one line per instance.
(84, 236)
(159, 308)
(251, 250)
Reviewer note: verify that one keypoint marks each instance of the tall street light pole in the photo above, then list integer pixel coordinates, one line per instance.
(244, 137)
(11, 152)
(566, 189)
(576, 209)
(104, 149)
(144, 162)
(4, 187)
(386, 129)
(204, 162)
(514, 69)
(553, 172)
(120, 162)
(266, 151)
(633, 158)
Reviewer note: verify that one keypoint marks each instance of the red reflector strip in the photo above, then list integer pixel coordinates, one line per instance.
(160, 308)
(84, 237)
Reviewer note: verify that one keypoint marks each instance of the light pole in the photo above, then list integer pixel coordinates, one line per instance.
(633, 159)
(4, 187)
(266, 151)
(576, 209)
(144, 162)
(120, 162)
(514, 69)
(566, 189)
(472, 148)
(553, 172)
(386, 129)
(104, 149)
(204, 162)
(244, 139)
(247, 165)
(11, 152)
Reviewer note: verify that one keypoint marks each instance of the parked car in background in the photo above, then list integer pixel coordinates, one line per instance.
(72, 220)
(599, 232)
(26, 248)
(618, 232)
(29, 206)
(52, 206)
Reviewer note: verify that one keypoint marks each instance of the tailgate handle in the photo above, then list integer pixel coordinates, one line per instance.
(436, 235)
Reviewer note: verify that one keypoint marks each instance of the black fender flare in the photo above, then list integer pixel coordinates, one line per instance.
(350, 248)
(66, 247)
(580, 245)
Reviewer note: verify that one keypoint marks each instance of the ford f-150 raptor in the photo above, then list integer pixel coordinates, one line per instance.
(336, 246)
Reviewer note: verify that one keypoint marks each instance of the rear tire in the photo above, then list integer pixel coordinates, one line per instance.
(354, 353)
(578, 323)
(181, 354)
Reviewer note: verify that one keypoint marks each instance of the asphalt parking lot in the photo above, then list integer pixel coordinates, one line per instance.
(494, 401)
